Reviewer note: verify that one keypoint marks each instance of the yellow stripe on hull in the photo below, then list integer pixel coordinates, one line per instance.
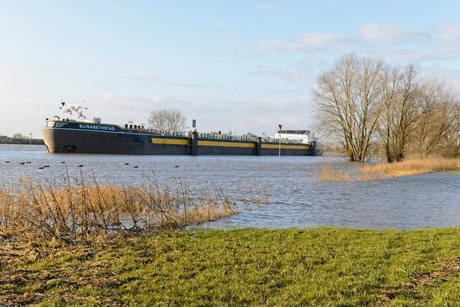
(225, 144)
(163, 141)
(286, 146)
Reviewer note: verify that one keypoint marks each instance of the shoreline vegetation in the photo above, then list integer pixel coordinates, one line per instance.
(79, 210)
(413, 165)
(21, 140)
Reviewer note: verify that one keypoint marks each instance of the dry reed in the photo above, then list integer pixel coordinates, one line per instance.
(412, 166)
(328, 173)
(83, 211)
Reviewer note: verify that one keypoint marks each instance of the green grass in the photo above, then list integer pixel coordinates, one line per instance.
(244, 267)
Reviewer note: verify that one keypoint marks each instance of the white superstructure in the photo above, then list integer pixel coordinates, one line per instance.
(301, 136)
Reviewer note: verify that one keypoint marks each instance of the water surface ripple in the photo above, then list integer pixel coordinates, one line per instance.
(296, 197)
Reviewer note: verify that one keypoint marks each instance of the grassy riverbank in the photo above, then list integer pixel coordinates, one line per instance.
(241, 267)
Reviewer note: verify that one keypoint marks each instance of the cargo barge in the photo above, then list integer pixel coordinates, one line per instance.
(94, 137)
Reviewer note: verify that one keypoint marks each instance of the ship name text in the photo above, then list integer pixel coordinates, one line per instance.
(97, 127)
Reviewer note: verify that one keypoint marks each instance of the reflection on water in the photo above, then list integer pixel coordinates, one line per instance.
(296, 197)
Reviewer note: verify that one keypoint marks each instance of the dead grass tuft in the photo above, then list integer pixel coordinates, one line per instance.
(83, 211)
(328, 173)
(449, 267)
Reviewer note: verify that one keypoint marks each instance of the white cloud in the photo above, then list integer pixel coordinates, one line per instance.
(440, 43)
(389, 34)
(309, 42)
(260, 47)
(121, 108)
(165, 81)
(230, 33)
(255, 115)
(322, 39)
(218, 24)
(301, 91)
(395, 55)
(268, 8)
(291, 73)
(437, 46)
(448, 75)
(234, 35)
(447, 38)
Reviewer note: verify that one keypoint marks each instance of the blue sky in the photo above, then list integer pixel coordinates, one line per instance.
(242, 66)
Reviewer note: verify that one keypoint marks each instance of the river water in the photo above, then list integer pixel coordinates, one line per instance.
(296, 197)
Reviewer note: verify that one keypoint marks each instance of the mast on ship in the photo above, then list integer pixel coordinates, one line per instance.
(77, 108)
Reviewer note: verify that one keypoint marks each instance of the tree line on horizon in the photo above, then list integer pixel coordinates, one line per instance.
(367, 107)
(20, 139)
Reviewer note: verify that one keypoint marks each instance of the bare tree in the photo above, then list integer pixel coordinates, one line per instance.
(348, 101)
(436, 117)
(167, 119)
(400, 113)
(450, 145)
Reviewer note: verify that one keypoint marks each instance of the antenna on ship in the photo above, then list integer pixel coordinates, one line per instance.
(69, 108)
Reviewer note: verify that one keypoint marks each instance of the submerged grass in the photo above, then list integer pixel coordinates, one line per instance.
(412, 166)
(328, 173)
(241, 267)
